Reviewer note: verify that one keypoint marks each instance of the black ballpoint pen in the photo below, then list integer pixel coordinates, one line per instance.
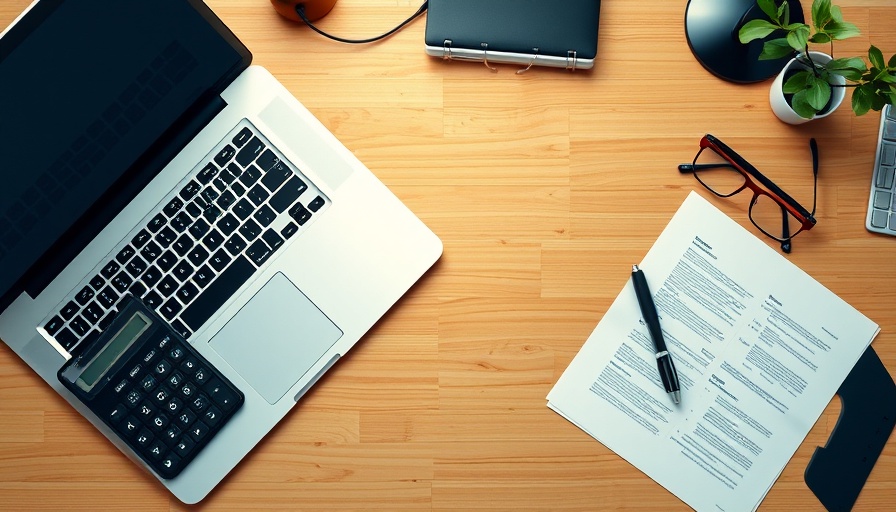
(663, 358)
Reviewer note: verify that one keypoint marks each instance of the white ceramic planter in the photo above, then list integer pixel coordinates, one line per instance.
(783, 110)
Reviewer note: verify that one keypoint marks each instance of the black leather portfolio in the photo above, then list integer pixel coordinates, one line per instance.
(555, 33)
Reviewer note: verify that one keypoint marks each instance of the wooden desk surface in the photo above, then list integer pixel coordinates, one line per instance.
(544, 187)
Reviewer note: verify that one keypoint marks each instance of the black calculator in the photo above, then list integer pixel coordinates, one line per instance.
(152, 388)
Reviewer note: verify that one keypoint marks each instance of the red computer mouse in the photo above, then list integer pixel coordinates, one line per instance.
(314, 9)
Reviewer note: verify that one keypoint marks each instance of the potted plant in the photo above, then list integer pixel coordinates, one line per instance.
(812, 79)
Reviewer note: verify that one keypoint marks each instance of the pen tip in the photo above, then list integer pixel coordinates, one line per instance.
(676, 397)
(634, 268)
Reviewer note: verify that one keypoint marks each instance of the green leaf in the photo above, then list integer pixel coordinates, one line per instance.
(892, 61)
(775, 49)
(820, 38)
(861, 103)
(876, 57)
(851, 68)
(801, 106)
(836, 13)
(818, 92)
(886, 77)
(821, 12)
(797, 39)
(755, 29)
(769, 8)
(841, 30)
(796, 83)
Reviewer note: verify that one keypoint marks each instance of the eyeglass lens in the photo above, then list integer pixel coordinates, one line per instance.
(724, 180)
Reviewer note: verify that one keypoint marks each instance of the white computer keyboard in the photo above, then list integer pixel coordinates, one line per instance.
(882, 200)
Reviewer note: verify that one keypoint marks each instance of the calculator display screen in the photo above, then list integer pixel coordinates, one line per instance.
(108, 355)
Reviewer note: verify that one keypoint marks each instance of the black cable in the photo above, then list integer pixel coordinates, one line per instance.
(300, 10)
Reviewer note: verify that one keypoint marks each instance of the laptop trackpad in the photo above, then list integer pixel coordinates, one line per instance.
(275, 338)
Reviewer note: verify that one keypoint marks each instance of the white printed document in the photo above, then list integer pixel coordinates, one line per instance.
(760, 348)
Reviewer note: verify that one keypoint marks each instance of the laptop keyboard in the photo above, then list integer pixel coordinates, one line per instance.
(882, 201)
(215, 230)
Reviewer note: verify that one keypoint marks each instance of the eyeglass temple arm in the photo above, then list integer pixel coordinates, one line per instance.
(685, 168)
(752, 171)
(787, 244)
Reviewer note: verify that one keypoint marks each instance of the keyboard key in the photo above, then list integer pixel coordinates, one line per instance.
(213, 239)
(258, 252)
(275, 177)
(110, 269)
(235, 244)
(207, 173)
(69, 310)
(199, 228)
(183, 245)
(190, 190)
(287, 194)
(166, 236)
(273, 240)
(220, 260)
(250, 230)
(198, 255)
(157, 223)
(300, 214)
(84, 296)
(316, 204)
(107, 297)
(258, 194)
(203, 276)
(242, 137)
(217, 293)
(136, 266)
(250, 176)
(173, 206)
(289, 230)
(151, 276)
(265, 216)
(224, 155)
(250, 152)
(227, 224)
(243, 209)
(151, 251)
(182, 271)
(167, 260)
(167, 286)
(122, 281)
(53, 326)
(141, 238)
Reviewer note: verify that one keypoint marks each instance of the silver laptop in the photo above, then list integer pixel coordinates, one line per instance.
(185, 249)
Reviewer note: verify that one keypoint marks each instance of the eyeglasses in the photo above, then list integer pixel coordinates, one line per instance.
(725, 173)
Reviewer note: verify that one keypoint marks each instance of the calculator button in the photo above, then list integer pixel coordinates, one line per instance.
(145, 411)
(174, 406)
(117, 413)
(172, 434)
(149, 356)
(184, 446)
(159, 422)
(186, 418)
(163, 368)
(144, 438)
(176, 354)
(198, 431)
(212, 416)
(221, 394)
(188, 390)
(121, 386)
(157, 450)
(129, 427)
(189, 365)
(199, 403)
(201, 376)
(148, 383)
(171, 462)
(161, 395)
(133, 398)
(175, 380)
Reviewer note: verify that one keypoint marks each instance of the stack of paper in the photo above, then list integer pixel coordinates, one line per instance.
(760, 349)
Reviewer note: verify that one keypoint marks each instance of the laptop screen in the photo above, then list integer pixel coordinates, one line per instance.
(89, 90)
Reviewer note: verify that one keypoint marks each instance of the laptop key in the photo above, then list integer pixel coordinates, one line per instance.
(217, 293)
(249, 153)
(288, 194)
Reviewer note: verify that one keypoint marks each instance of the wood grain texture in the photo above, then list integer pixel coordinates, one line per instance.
(544, 187)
